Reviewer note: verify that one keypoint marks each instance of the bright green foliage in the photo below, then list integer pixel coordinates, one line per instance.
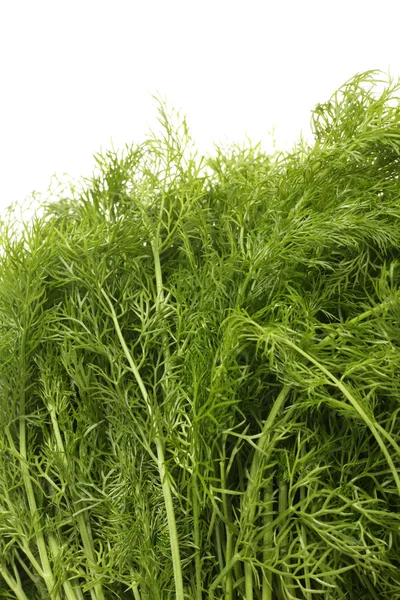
(200, 372)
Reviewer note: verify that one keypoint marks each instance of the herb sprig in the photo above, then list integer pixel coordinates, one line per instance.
(199, 381)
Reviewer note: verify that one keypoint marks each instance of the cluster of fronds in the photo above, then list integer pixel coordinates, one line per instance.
(199, 383)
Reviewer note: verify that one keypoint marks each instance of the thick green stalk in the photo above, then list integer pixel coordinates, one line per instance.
(77, 589)
(248, 580)
(228, 531)
(218, 546)
(26, 477)
(197, 540)
(169, 507)
(166, 487)
(136, 593)
(69, 590)
(176, 560)
(303, 495)
(282, 508)
(304, 544)
(228, 567)
(268, 539)
(14, 585)
(250, 497)
(97, 591)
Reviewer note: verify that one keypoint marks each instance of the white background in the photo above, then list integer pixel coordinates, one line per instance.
(76, 75)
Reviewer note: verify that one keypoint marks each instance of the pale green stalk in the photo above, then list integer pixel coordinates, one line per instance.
(228, 532)
(303, 494)
(69, 590)
(218, 546)
(307, 580)
(228, 567)
(84, 528)
(282, 508)
(266, 585)
(196, 540)
(13, 584)
(26, 476)
(160, 460)
(176, 560)
(250, 498)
